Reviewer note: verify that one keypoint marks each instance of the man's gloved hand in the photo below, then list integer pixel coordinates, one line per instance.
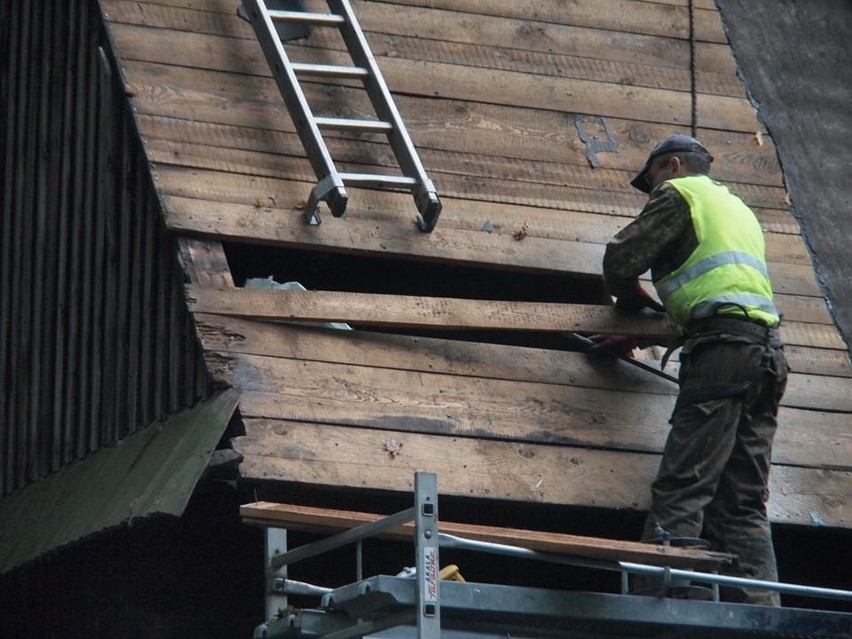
(637, 298)
(617, 345)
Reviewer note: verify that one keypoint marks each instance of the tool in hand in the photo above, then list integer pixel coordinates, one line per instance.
(587, 344)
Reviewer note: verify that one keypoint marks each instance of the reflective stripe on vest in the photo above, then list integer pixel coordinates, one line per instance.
(726, 273)
(681, 277)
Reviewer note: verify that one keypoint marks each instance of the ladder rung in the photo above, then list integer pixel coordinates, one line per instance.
(343, 124)
(368, 180)
(330, 70)
(304, 17)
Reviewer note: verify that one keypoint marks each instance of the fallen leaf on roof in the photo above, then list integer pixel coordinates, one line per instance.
(522, 232)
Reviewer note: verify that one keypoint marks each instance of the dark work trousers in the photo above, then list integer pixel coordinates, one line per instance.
(713, 478)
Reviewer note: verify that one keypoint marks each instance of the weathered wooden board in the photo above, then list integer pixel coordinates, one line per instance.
(205, 263)
(667, 18)
(295, 517)
(499, 130)
(584, 215)
(644, 18)
(253, 152)
(411, 32)
(824, 389)
(805, 437)
(408, 27)
(437, 313)
(473, 176)
(457, 81)
(403, 311)
(356, 235)
(818, 361)
(505, 408)
(428, 355)
(360, 458)
(221, 332)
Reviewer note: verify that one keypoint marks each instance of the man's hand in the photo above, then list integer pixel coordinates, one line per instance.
(616, 345)
(636, 298)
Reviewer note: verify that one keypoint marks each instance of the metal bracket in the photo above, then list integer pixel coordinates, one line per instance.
(593, 142)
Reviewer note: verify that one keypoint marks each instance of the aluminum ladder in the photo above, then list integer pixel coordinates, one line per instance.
(331, 186)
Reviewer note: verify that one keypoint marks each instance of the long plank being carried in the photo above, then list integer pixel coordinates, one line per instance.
(406, 311)
(324, 519)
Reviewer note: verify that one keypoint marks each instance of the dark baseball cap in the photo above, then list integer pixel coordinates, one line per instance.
(672, 144)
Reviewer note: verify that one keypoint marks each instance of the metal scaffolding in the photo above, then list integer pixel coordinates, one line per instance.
(420, 604)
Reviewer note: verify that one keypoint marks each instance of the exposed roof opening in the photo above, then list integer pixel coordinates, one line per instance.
(317, 270)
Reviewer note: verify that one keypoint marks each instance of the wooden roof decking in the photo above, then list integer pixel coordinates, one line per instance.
(495, 95)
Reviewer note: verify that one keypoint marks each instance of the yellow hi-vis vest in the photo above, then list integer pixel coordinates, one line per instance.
(726, 274)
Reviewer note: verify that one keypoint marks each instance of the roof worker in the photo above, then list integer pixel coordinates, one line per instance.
(705, 250)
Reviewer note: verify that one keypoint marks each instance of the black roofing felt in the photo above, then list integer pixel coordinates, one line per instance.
(796, 60)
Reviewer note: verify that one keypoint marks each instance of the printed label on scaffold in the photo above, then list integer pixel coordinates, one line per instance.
(430, 574)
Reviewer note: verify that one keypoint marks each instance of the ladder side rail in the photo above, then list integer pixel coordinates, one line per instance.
(425, 194)
(331, 187)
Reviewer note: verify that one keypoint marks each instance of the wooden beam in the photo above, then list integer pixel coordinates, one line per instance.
(204, 262)
(460, 81)
(362, 459)
(470, 175)
(405, 311)
(414, 398)
(442, 313)
(236, 335)
(440, 124)
(331, 520)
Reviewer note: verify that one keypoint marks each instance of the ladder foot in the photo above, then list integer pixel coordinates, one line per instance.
(430, 208)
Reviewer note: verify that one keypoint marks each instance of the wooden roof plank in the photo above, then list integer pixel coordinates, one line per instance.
(485, 176)
(489, 408)
(524, 133)
(358, 458)
(457, 81)
(456, 357)
(823, 391)
(650, 18)
(259, 223)
(451, 357)
(441, 313)
(402, 26)
(417, 311)
(287, 180)
(205, 263)
(291, 516)
(171, 138)
(818, 387)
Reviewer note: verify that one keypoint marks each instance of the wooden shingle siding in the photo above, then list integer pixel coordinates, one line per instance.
(497, 97)
(95, 340)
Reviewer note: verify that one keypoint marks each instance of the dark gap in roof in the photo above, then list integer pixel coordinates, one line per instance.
(318, 270)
